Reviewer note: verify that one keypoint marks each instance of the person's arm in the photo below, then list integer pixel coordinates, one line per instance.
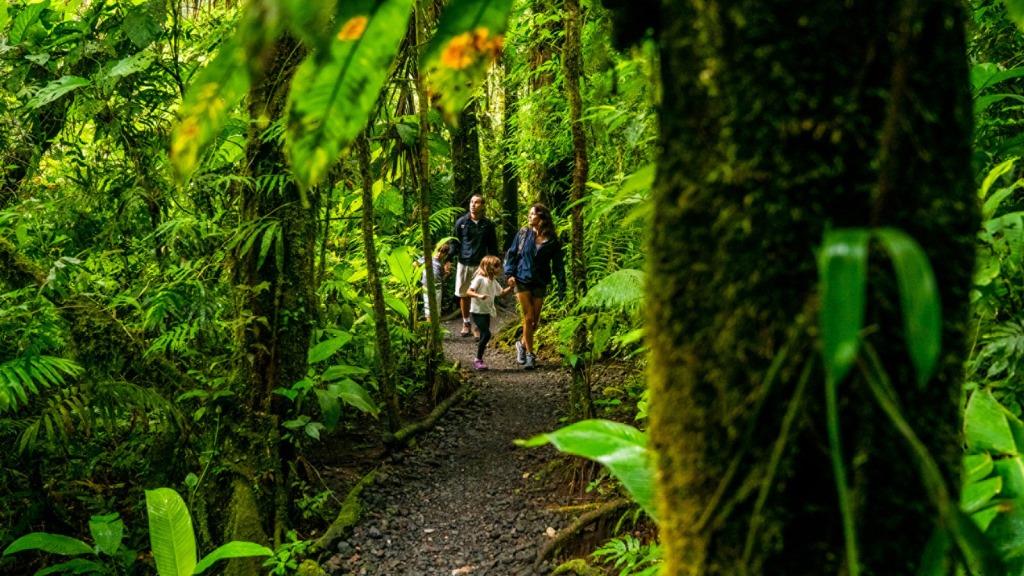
(512, 258)
(473, 287)
(456, 241)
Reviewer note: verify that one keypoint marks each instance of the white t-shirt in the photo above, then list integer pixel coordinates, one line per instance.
(484, 285)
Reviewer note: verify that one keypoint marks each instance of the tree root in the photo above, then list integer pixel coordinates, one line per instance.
(351, 511)
(402, 436)
(577, 526)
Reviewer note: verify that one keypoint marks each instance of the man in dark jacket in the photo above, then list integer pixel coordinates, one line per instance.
(475, 237)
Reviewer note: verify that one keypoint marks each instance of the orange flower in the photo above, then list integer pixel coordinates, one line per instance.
(353, 28)
(460, 52)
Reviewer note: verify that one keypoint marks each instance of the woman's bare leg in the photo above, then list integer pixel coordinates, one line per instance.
(526, 304)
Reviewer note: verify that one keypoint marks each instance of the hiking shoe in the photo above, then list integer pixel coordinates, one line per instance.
(479, 365)
(465, 330)
(520, 352)
(531, 362)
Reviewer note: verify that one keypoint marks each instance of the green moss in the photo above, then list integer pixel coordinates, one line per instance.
(577, 566)
(351, 511)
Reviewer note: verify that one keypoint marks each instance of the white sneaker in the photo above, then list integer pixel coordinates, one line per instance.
(520, 352)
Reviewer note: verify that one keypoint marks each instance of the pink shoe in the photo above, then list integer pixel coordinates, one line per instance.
(479, 365)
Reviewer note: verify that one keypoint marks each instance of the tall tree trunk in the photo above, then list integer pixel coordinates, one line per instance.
(277, 289)
(787, 117)
(550, 173)
(467, 179)
(581, 404)
(509, 173)
(434, 339)
(384, 377)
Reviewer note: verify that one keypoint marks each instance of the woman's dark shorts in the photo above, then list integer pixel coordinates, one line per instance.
(536, 290)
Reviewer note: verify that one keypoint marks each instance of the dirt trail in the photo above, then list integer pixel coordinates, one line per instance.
(458, 503)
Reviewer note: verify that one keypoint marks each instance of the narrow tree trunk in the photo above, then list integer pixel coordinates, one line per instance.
(434, 343)
(384, 377)
(509, 173)
(787, 117)
(581, 404)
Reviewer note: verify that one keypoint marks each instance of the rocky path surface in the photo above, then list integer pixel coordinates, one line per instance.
(460, 502)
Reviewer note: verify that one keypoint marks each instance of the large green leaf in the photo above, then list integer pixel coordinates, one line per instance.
(52, 543)
(170, 533)
(977, 467)
(343, 370)
(354, 395)
(988, 427)
(469, 37)
(56, 89)
(842, 269)
(333, 92)
(327, 348)
(107, 532)
(919, 300)
(74, 566)
(977, 494)
(4, 15)
(28, 16)
(1015, 8)
(402, 265)
(233, 549)
(619, 447)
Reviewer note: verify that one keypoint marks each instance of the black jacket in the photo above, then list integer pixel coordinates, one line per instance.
(475, 239)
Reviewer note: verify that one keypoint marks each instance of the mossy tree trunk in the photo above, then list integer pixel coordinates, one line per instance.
(467, 179)
(509, 173)
(385, 380)
(780, 119)
(581, 404)
(277, 292)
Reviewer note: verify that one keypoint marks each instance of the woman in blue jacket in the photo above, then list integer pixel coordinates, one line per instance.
(533, 258)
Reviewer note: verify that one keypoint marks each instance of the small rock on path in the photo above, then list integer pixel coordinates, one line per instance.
(459, 503)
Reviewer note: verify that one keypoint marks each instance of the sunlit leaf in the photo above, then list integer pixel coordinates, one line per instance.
(333, 93)
(28, 16)
(232, 550)
(1015, 9)
(73, 566)
(619, 447)
(51, 543)
(56, 89)
(469, 37)
(327, 348)
(977, 494)
(988, 427)
(355, 395)
(976, 467)
(842, 269)
(107, 532)
(170, 533)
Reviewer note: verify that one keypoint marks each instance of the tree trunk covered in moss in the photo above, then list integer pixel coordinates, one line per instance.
(467, 179)
(277, 291)
(423, 170)
(780, 119)
(550, 173)
(380, 319)
(509, 172)
(581, 404)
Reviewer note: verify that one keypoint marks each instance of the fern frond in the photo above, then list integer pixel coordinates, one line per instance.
(620, 290)
(25, 377)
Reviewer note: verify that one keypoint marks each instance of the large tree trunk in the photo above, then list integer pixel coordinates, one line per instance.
(467, 179)
(780, 119)
(581, 404)
(279, 292)
(509, 172)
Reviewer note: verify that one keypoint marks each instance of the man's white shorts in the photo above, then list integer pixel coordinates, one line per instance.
(463, 276)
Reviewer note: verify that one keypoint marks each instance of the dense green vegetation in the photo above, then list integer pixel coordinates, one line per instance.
(213, 214)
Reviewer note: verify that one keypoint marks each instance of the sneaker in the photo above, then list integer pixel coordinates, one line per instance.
(531, 362)
(465, 330)
(479, 365)
(520, 352)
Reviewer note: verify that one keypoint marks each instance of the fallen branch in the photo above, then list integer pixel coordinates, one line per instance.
(405, 434)
(350, 512)
(577, 526)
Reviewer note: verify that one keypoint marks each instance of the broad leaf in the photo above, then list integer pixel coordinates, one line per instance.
(130, 65)
(56, 89)
(1011, 471)
(1015, 8)
(333, 93)
(342, 370)
(327, 348)
(51, 543)
(977, 467)
(234, 549)
(470, 36)
(988, 427)
(993, 175)
(619, 447)
(975, 495)
(28, 16)
(919, 300)
(354, 395)
(107, 532)
(170, 533)
(330, 407)
(403, 266)
(842, 269)
(217, 89)
(74, 566)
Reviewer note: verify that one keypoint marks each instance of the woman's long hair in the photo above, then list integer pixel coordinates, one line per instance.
(547, 225)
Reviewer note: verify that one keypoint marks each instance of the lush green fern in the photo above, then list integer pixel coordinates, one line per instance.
(620, 290)
(26, 377)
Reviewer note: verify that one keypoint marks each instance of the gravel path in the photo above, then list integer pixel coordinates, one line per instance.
(459, 502)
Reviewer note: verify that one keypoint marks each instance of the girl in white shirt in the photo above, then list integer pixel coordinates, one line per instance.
(483, 290)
